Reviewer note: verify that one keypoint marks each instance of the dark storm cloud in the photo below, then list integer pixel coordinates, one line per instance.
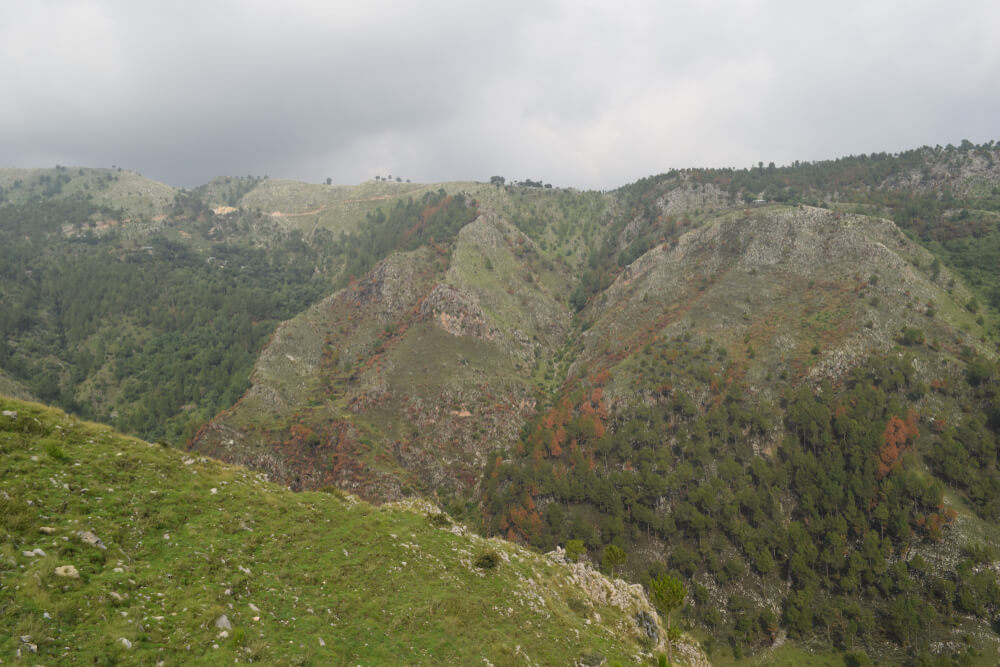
(584, 94)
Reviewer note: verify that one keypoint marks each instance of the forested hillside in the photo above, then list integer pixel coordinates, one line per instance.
(149, 315)
(777, 384)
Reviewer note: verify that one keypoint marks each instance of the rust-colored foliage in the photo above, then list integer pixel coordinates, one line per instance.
(935, 522)
(897, 435)
(554, 448)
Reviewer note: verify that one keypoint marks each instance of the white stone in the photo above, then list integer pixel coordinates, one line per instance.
(67, 571)
(91, 539)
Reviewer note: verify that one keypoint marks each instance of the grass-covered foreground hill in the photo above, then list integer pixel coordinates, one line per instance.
(115, 550)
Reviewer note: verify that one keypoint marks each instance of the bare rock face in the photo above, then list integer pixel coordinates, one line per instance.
(815, 290)
(632, 599)
(962, 171)
(455, 312)
(406, 379)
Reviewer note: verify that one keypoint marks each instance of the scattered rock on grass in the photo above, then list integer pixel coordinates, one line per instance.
(67, 571)
(91, 539)
(223, 623)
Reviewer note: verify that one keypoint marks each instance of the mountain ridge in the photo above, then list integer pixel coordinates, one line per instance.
(777, 384)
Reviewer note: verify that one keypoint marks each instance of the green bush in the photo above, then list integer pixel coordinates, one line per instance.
(912, 336)
(487, 560)
(575, 549)
(614, 557)
(15, 514)
(53, 450)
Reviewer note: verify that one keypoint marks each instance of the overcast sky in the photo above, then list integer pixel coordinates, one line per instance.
(583, 94)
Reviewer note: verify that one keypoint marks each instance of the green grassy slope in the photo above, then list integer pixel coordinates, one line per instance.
(309, 578)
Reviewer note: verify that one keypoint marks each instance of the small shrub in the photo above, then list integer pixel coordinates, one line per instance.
(575, 549)
(579, 606)
(97, 557)
(487, 560)
(334, 491)
(856, 660)
(592, 658)
(15, 514)
(912, 336)
(439, 520)
(53, 450)
(979, 552)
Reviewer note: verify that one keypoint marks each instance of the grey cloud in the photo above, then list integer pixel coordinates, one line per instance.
(589, 95)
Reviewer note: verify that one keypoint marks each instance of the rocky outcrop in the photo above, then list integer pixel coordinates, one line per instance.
(454, 311)
(632, 599)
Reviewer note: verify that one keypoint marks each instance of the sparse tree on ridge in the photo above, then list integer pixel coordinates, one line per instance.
(614, 557)
(667, 593)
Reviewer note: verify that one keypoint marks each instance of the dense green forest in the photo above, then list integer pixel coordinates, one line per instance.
(157, 331)
(432, 219)
(680, 489)
(173, 332)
